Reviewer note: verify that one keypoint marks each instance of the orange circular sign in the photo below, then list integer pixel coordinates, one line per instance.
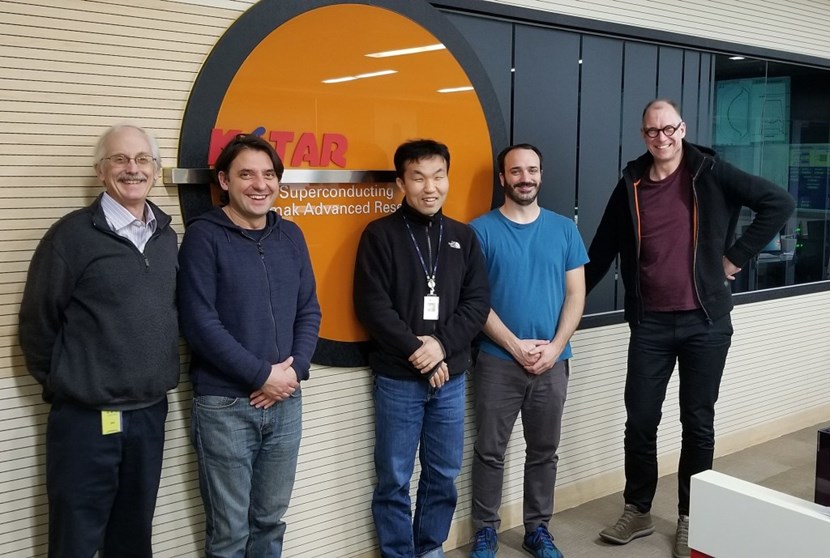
(336, 89)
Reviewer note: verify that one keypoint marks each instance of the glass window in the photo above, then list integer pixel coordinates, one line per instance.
(773, 120)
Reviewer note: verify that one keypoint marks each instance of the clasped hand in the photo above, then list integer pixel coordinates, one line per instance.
(535, 355)
(281, 383)
(428, 357)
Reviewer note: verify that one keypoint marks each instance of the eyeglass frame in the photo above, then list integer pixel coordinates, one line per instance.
(150, 160)
(665, 129)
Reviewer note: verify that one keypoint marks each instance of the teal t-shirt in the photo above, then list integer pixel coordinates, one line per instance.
(526, 264)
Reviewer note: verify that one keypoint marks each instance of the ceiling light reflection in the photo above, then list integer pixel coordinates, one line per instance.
(456, 89)
(360, 76)
(405, 51)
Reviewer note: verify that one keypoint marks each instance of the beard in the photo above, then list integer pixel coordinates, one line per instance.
(510, 190)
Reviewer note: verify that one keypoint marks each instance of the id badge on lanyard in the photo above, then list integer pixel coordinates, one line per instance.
(431, 300)
(431, 303)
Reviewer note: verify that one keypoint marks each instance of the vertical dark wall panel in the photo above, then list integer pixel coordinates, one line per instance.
(691, 94)
(586, 118)
(705, 99)
(639, 87)
(492, 41)
(670, 74)
(545, 108)
(599, 144)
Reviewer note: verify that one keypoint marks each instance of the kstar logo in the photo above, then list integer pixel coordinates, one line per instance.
(308, 150)
(326, 83)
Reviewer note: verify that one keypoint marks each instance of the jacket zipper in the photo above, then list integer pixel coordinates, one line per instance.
(428, 230)
(128, 242)
(638, 241)
(267, 282)
(694, 244)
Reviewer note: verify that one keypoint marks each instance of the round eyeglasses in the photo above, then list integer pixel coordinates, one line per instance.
(668, 131)
(121, 160)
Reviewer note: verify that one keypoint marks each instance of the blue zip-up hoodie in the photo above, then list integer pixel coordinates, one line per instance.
(245, 303)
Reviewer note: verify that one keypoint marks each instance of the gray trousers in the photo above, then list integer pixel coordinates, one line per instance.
(502, 390)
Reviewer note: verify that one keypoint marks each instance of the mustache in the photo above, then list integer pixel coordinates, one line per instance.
(522, 184)
(132, 176)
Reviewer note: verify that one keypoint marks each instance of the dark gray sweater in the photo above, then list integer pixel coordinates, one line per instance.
(98, 322)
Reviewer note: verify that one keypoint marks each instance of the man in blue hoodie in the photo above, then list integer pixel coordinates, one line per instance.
(249, 311)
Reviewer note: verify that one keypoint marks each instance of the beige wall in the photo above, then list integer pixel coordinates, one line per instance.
(70, 68)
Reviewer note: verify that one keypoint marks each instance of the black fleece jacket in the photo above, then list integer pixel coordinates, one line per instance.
(98, 321)
(720, 190)
(390, 285)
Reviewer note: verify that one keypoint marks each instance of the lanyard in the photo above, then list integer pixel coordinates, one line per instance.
(430, 278)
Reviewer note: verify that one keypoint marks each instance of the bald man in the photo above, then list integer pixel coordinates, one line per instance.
(671, 219)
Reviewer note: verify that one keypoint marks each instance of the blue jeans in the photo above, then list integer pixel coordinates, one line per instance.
(699, 349)
(247, 462)
(407, 413)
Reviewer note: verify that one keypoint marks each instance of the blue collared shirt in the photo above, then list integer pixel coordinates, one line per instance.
(124, 223)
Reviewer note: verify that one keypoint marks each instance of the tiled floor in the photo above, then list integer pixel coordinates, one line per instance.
(786, 464)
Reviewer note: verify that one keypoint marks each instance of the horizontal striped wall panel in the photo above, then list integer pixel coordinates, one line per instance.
(797, 26)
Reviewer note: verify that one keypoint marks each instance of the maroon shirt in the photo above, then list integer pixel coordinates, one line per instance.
(666, 210)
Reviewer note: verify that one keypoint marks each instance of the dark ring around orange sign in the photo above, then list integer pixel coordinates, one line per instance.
(266, 76)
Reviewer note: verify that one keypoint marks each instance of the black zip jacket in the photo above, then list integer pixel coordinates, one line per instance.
(98, 319)
(719, 190)
(390, 284)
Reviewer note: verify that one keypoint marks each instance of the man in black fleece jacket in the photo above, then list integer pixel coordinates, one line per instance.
(672, 220)
(98, 329)
(420, 289)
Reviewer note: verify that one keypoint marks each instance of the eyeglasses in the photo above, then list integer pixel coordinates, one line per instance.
(121, 160)
(667, 130)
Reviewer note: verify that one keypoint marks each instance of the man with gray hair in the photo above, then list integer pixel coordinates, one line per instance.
(98, 328)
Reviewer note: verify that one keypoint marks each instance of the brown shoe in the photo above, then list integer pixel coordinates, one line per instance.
(632, 524)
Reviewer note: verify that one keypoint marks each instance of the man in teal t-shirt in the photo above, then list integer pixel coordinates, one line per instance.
(535, 261)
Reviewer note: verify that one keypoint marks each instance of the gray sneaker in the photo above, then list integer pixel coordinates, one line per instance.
(681, 539)
(631, 525)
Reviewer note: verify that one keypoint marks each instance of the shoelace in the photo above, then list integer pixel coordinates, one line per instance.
(480, 542)
(542, 537)
(625, 519)
(683, 533)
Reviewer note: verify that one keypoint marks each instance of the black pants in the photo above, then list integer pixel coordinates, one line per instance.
(102, 488)
(699, 348)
